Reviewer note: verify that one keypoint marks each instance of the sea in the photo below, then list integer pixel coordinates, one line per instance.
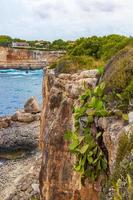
(16, 87)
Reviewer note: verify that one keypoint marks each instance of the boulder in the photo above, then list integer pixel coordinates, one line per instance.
(5, 122)
(32, 106)
(25, 117)
(19, 136)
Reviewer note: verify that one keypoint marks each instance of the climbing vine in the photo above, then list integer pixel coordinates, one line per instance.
(86, 140)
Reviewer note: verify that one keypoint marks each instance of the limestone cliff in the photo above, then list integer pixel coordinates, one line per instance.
(26, 59)
(58, 180)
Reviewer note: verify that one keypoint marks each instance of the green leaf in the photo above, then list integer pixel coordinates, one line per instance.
(84, 149)
(102, 86)
(95, 150)
(119, 96)
(99, 90)
(90, 153)
(81, 138)
(73, 145)
(83, 160)
(77, 167)
(102, 113)
(125, 117)
(92, 102)
(90, 159)
(100, 70)
(99, 105)
(98, 135)
(74, 136)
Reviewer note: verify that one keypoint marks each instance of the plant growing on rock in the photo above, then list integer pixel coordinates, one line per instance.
(86, 140)
(118, 193)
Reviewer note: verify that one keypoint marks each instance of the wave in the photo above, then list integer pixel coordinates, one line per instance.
(21, 72)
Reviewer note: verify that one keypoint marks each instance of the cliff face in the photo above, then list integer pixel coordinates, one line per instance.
(24, 58)
(58, 181)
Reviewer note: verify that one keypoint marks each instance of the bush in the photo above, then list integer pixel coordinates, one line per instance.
(70, 64)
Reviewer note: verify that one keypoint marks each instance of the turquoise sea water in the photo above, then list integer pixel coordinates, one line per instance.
(16, 87)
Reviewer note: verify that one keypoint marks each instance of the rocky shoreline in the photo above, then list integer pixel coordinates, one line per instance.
(19, 154)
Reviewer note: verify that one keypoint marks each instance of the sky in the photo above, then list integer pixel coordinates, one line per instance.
(65, 19)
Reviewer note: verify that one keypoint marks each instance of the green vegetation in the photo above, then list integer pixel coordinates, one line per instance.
(91, 52)
(123, 166)
(70, 64)
(5, 40)
(119, 79)
(86, 144)
(118, 194)
(99, 47)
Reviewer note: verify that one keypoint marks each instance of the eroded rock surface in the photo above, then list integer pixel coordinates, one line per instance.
(19, 179)
(19, 136)
(24, 117)
(58, 181)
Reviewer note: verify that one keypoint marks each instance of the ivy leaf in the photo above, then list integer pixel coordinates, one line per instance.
(84, 149)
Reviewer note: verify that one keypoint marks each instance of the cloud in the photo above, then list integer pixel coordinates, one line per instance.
(98, 6)
(67, 19)
(50, 9)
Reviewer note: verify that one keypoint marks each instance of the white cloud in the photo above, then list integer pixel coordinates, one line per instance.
(67, 19)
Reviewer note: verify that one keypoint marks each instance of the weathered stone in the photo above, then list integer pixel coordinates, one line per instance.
(35, 187)
(58, 181)
(89, 73)
(112, 128)
(19, 136)
(5, 122)
(25, 117)
(32, 106)
(19, 178)
(130, 117)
